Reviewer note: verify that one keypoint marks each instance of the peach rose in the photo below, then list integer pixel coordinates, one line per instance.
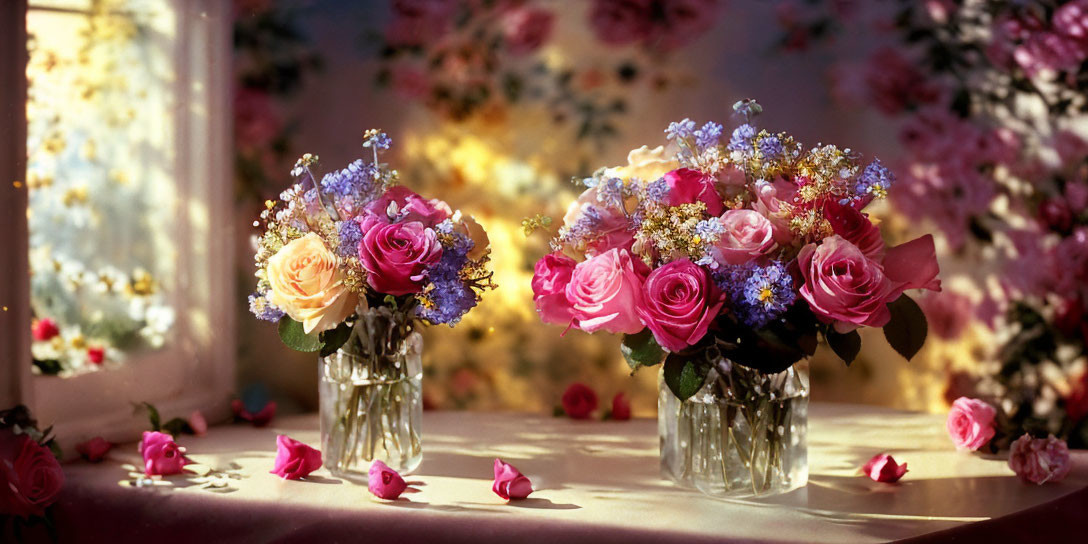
(307, 284)
(647, 164)
(478, 235)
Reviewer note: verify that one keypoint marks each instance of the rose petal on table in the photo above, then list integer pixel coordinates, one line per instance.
(294, 460)
(384, 482)
(883, 468)
(510, 483)
(95, 449)
(198, 423)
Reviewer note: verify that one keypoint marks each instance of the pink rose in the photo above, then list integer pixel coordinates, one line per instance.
(621, 407)
(294, 460)
(30, 477)
(747, 235)
(396, 255)
(1039, 460)
(683, 21)
(848, 222)
(95, 449)
(162, 456)
(883, 468)
(256, 120)
(772, 199)
(845, 287)
(947, 314)
(680, 303)
(687, 186)
(579, 401)
(551, 275)
(913, 265)
(619, 22)
(970, 423)
(384, 482)
(1072, 20)
(611, 226)
(44, 330)
(526, 29)
(258, 419)
(605, 292)
(198, 423)
(410, 207)
(510, 483)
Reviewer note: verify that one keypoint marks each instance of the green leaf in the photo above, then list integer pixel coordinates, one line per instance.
(48, 367)
(906, 332)
(641, 349)
(846, 346)
(293, 335)
(333, 339)
(153, 416)
(177, 426)
(684, 376)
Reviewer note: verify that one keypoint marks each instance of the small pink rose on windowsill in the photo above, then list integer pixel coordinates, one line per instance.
(970, 423)
(510, 483)
(162, 456)
(198, 423)
(883, 468)
(1039, 460)
(384, 482)
(95, 449)
(294, 460)
(258, 419)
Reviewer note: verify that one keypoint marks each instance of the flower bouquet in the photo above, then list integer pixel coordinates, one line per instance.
(726, 261)
(349, 267)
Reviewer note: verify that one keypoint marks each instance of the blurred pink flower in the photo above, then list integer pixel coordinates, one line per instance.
(1070, 270)
(95, 449)
(948, 313)
(662, 24)
(579, 401)
(198, 423)
(895, 84)
(256, 121)
(526, 29)
(44, 329)
(259, 419)
(621, 407)
(1039, 460)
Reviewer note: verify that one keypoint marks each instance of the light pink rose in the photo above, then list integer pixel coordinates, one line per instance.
(845, 287)
(95, 449)
(410, 207)
(613, 229)
(510, 483)
(747, 236)
(1039, 460)
(679, 303)
(384, 482)
(198, 423)
(883, 468)
(396, 255)
(856, 227)
(294, 460)
(526, 29)
(162, 456)
(687, 186)
(30, 477)
(605, 292)
(551, 275)
(970, 423)
(772, 198)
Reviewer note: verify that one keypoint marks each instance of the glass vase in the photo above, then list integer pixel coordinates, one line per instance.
(371, 397)
(742, 435)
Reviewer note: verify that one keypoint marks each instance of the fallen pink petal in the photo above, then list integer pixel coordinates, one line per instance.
(384, 482)
(883, 468)
(294, 460)
(198, 423)
(510, 483)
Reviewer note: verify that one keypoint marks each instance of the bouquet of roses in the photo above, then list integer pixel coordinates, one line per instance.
(356, 240)
(745, 249)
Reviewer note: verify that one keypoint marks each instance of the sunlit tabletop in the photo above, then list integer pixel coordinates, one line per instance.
(595, 482)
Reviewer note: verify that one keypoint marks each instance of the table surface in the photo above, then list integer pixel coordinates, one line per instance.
(594, 481)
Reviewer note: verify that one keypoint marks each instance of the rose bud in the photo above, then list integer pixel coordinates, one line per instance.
(162, 456)
(294, 460)
(579, 401)
(510, 483)
(95, 449)
(384, 482)
(621, 407)
(883, 468)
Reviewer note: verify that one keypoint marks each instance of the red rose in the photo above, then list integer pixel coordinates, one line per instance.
(621, 407)
(96, 355)
(44, 329)
(30, 477)
(579, 401)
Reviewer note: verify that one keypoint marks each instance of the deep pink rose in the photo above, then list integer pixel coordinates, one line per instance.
(970, 423)
(396, 255)
(162, 456)
(294, 460)
(551, 275)
(384, 482)
(747, 235)
(579, 401)
(409, 207)
(526, 29)
(605, 292)
(258, 419)
(44, 329)
(848, 222)
(687, 186)
(619, 22)
(772, 199)
(1072, 20)
(843, 286)
(680, 303)
(621, 407)
(883, 468)
(30, 477)
(1039, 460)
(510, 483)
(95, 449)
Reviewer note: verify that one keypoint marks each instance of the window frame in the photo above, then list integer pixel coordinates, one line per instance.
(196, 371)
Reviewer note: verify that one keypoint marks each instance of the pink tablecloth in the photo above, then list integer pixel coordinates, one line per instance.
(597, 483)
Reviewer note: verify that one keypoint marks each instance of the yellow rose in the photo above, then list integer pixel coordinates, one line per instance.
(307, 284)
(647, 164)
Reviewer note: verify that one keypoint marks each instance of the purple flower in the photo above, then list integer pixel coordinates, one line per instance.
(741, 140)
(263, 309)
(759, 294)
(874, 180)
(657, 191)
(771, 147)
(681, 130)
(350, 236)
(708, 136)
(357, 180)
(448, 296)
(377, 140)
